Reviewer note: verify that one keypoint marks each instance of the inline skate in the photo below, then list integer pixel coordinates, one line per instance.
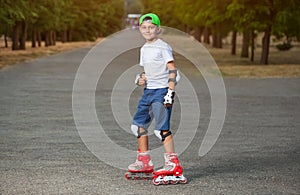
(171, 173)
(142, 168)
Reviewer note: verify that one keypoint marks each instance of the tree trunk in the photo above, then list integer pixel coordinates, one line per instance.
(233, 42)
(206, 34)
(198, 33)
(5, 40)
(24, 35)
(214, 40)
(69, 36)
(47, 38)
(15, 35)
(54, 37)
(266, 45)
(219, 39)
(245, 46)
(51, 41)
(217, 36)
(252, 45)
(64, 36)
(39, 38)
(33, 38)
(187, 29)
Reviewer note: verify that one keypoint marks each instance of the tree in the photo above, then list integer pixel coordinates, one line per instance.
(204, 17)
(187, 13)
(133, 7)
(13, 15)
(287, 22)
(215, 12)
(63, 19)
(243, 15)
(165, 9)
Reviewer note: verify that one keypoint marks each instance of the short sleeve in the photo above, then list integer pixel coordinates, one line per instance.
(168, 55)
(141, 57)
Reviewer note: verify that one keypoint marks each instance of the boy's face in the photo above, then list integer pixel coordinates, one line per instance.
(149, 31)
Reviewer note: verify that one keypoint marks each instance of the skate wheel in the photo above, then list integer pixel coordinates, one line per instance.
(183, 181)
(137, 177)
(155, 182)
(165, 182)
(174, 182)
(127, 176)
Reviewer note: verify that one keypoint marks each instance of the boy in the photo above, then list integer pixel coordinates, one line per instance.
(159, 80)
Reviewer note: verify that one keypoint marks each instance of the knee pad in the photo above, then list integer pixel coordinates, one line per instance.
(136, 130)
(162, 136)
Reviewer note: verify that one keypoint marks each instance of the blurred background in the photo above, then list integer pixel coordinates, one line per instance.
(252, 23)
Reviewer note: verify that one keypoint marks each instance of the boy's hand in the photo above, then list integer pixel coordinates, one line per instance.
(169, 98)
(141, 82)
(141, 79)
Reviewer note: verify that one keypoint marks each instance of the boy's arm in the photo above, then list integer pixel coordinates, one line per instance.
(169, 97)
(172, 74)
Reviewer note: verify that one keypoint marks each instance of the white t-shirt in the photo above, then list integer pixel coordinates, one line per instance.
(154, 58)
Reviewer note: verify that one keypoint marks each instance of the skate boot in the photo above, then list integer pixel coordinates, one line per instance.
(170, 173)
(142, 168)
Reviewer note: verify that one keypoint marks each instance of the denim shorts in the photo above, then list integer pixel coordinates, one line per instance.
(151, 106)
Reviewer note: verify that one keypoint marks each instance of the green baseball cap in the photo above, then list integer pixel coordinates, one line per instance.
(154, 18)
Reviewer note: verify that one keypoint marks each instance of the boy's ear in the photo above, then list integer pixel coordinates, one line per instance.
(158, 30)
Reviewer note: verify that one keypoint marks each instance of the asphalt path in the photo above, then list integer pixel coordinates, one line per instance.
(41, 151)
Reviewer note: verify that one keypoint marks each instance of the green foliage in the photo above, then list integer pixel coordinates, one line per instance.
(247, 14)
(218, 17)
(93, 18)
(165, 9)
(11, 12)
(284, 46)
(287, 21)
(241, 15)
(87, 19)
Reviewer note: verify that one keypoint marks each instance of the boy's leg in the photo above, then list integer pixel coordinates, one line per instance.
(143, 141)
(141, 122)
(172, 170)
(168, 143)
(162, 117)
(143, 166)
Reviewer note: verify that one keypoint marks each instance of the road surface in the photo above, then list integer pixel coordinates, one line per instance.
(41, 152)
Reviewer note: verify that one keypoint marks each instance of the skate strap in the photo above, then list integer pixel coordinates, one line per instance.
(173, 71)
(163, 136)
(141, 133)
(172, 80)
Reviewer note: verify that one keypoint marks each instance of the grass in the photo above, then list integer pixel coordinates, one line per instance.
(9, 57)
(281, 63)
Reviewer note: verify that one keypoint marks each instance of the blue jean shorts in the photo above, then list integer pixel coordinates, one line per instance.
(151, 107)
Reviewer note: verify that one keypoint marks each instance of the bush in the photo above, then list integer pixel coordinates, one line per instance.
(284, 46)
